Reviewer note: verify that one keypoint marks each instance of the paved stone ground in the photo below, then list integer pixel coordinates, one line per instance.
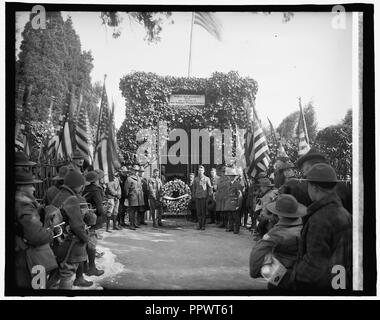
(176, 256)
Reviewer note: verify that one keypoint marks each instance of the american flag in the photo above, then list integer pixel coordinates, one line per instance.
(209, 21)
(22, 130)
(82, 132)
(303, 138)
(256, 146)
(59, 144)
(64, 149)
(105, 153)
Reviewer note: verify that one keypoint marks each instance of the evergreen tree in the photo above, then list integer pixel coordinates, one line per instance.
(51, 63)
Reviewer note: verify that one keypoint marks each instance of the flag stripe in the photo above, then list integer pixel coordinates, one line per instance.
(256, 145)
(106, 158)
(208, 21)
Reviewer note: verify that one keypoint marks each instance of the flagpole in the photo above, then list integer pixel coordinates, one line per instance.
(100, 114)
(191, 43)
(303, 121)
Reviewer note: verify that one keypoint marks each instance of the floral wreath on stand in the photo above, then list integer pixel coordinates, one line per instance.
(176, 196)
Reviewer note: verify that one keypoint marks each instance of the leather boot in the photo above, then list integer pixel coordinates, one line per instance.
(122, 220)
(82, 282)
(108, 225)
(66, 284)
(222, 220)
(92, 270)
(131, 215)
(115, 227)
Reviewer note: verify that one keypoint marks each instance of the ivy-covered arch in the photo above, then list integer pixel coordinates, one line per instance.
(147, 102)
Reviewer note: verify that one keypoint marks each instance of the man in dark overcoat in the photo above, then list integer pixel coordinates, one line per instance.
(72, 252)
(134, 196)
(326, 238)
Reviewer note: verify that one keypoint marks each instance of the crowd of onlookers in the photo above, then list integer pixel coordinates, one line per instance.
(60, 230)
(302, 227)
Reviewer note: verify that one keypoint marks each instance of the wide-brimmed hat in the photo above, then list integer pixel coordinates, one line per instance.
(135, 167)
(78, 155)
(123, 169)
(25, 178)
(311, 154)
(321, 172)
(73, 179)
(265, 182)
(61, 173)
(92, 176)
(21, 159)
(287, 206)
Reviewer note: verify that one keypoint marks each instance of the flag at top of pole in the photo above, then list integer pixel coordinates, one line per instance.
(303, 138)
(210, 23)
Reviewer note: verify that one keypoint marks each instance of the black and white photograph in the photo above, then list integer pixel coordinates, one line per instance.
(183, 150)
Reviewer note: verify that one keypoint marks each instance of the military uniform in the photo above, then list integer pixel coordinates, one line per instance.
(212, 212)
(265, 217)
(134, 196)
(155, 187)
(50, 194)
(95, 196)
(113, 194)
(30, 232)
(221, 193)
(232, 205)
(73, 250)
(229, 199)
(282, 240)
(122, 208)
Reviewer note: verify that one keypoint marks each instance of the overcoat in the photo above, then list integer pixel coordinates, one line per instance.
(133, 191)
(70, 201)
(326, 241)
(30, 233)
(282, 240)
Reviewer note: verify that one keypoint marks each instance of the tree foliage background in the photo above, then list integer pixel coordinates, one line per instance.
(147, 103)
(51, 65)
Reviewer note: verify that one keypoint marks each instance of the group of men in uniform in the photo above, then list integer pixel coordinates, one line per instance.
(312, 229)
(220, 196)
(80, 199)
(305, 224)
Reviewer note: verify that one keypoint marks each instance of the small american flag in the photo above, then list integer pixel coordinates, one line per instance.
(209, 22)
(105, 153)
(256, 146)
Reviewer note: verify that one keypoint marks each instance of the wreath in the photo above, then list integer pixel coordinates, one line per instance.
(176, 196)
